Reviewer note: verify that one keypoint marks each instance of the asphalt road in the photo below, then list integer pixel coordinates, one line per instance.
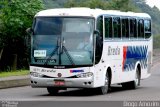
(148, 91)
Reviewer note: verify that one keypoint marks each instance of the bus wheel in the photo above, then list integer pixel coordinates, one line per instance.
(104, 89)
(136, 82)
(52, 90)
(133, 84)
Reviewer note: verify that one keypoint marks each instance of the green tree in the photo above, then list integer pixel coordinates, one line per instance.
(123, 5)
(15, 17)
(54, 3)
(89, 3)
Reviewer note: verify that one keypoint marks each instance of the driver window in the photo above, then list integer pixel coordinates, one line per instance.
(99, 39)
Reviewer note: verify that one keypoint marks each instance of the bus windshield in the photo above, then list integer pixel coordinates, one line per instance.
(62, 41)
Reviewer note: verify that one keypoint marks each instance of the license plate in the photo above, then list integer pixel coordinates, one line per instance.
(59, 83)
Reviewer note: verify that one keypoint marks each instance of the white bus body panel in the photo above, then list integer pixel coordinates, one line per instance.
(67, 75)
(113, 57)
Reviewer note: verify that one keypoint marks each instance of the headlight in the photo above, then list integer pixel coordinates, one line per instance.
(35, 74)
(84, 75)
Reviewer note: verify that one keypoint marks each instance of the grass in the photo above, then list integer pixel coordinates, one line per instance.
(13, 73)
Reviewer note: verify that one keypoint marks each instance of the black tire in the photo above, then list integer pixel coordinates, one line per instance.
(52, 90)
(136, 82)
(133, 84)
(104, 89)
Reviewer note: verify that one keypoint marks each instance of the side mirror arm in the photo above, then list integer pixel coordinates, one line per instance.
(29, 30)
(96, 32)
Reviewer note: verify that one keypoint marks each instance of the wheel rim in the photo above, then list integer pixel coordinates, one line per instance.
(106, 81)
(105, 87)
(137, 78)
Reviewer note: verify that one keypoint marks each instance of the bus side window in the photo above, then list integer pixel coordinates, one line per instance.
(125, 28)
(100, 25)
(108, 27)
(99, 39)
(116, 27)
(133, 28)
(140, 28)
(147, 28)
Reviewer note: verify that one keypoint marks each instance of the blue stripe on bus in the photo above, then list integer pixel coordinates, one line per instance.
(75, 71)
(132, 55)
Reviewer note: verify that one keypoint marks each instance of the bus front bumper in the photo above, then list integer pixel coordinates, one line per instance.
(62, 82)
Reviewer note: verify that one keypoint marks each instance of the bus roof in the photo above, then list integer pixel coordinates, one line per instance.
(83, 11)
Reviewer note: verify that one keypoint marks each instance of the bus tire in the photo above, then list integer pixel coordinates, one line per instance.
(104, 89)
(136, 82)
(133, 84)
(52, 90)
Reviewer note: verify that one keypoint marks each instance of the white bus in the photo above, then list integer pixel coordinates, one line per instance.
(89, 48)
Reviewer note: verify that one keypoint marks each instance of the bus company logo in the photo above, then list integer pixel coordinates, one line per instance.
(113, 51)
(44, 70)
(59, 75)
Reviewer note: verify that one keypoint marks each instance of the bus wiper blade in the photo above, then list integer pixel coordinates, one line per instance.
(68, 55)
(53, 52)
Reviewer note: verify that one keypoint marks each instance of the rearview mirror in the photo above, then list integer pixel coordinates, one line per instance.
(96, 32)
(29, 30)
(27, 38)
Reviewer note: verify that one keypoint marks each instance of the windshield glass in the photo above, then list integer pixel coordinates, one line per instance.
(62, 41)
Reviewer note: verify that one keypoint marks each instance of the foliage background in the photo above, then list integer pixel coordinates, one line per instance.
(15, 17)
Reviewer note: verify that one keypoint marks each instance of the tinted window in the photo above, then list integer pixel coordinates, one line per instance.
(116, 27)
(108, 27)
(140, 28)
(133, 28)
(99, 40)
(147, 27)
(125, 28)
(100, 25)
(48, 26)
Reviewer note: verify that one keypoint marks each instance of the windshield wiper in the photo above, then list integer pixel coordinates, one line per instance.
(61, 51)
(68, 55)
(66, 51)
(53, 53)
